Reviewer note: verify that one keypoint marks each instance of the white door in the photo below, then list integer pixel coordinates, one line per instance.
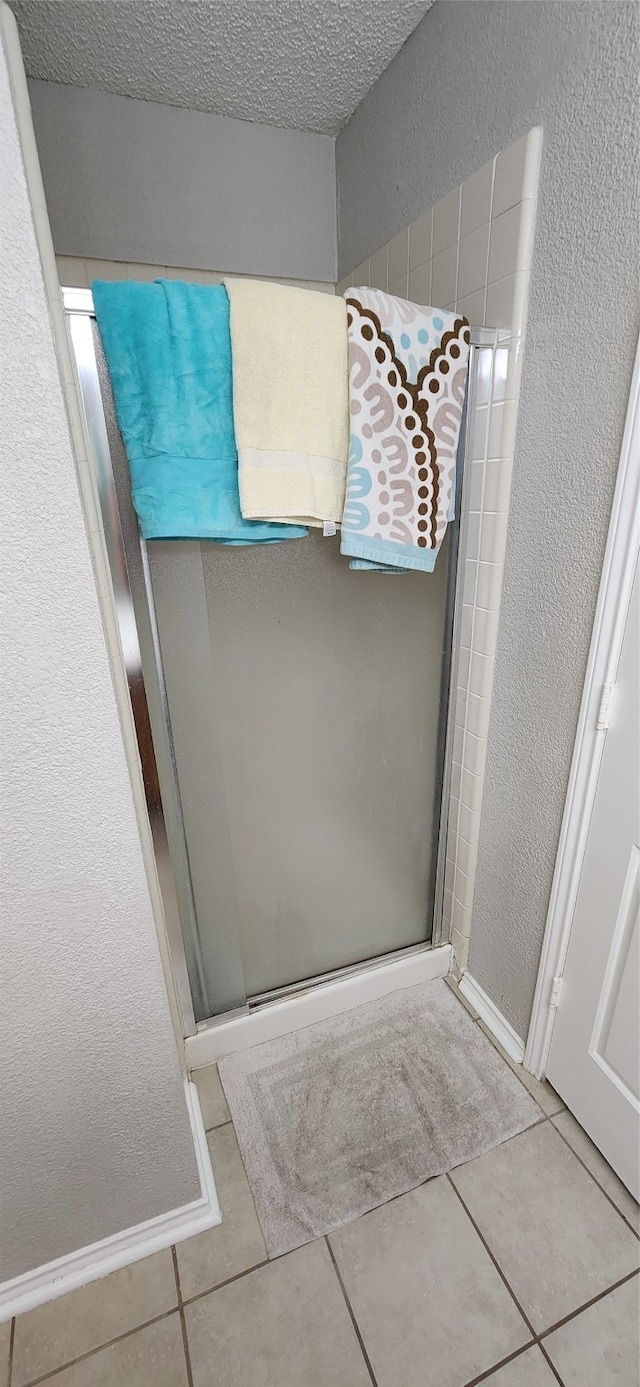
(594, 1060)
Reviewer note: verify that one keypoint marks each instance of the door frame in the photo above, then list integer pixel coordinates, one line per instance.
(314, 998)
(621, 557)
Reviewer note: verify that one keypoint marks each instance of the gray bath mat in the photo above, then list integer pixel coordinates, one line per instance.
(338, 1118)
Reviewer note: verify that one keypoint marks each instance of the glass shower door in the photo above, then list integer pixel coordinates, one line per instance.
(298, 710)
(304, 702)
(327, 690)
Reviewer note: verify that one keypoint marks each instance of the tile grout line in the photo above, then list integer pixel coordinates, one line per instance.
(118, 1338)
(467, 681)
(200, 1295)
(615, 1286)
(218, 1125)
(12, 1339)
(183, 1322)
(485, 290)
(493, 1259)
(495, 1367)
(516, 1070)
(557, 1324)
(549, 1117)
(465, 685)
(501, 1274)
(545, 1117)
(536, 1340)
(593, 1177)
(156, 1319)
(539, 1123)
(550, 1364)
(352, 1317)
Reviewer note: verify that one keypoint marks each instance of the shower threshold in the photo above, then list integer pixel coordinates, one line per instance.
(350, 970)
(290, 1009)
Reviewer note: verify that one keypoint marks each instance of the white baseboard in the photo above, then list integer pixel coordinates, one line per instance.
(493, 1019)
(120, 1249)
(219, 1038)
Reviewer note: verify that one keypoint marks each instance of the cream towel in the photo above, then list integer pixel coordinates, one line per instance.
(290, 401)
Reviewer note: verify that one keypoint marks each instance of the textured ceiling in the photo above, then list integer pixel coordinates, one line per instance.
(301, 63)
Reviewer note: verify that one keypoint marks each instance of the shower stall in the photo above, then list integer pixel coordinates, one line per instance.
(294, 735)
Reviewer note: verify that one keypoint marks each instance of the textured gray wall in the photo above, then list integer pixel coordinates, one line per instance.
(474, 76)
(94, 1131)
(138, 181)
(280, 62)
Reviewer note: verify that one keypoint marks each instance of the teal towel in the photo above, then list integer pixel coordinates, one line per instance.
(168, 350)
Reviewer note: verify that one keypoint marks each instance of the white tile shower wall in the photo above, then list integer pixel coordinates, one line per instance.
(79, 274)
(472, 252)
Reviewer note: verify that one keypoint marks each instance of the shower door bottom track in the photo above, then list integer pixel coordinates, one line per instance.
(271, 1015)
(351, 970)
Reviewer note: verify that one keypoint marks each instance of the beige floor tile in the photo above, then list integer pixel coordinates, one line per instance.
(451, 982)
(237, 1243)
(545, 1096)
(600, 1347)
(285, 1325)
(152, 1357)
(529, 1370)
(556, 1238)
(600, 1169)
(54, 1333)
(5, 1341)
(428, 1301)
(212, 1099)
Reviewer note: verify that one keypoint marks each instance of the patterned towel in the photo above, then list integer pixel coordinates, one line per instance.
(407, 380)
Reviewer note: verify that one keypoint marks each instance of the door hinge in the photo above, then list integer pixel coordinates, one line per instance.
(554, 992)
(603, 720)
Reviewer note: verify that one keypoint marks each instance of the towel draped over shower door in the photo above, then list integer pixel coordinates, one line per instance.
(407, 381)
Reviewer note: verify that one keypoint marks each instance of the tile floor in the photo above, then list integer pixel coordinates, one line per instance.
(519, 1269)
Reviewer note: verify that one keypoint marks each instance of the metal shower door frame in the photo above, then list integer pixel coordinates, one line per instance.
(482, 339)
(150, 707)
(153, 735)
